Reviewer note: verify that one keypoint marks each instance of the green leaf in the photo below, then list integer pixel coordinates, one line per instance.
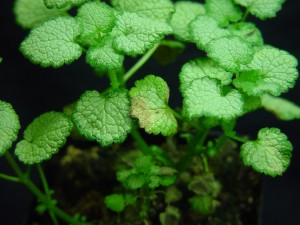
(103, 117)
(153, 9)
(30, 13)
(115, 202)
(149, 104)
(137, 34)
(96, 19)
(202, 67)
(103, 56)
(224, 11)
(272, 71)
(269, 154)
(135, 181)
(63, 3)
(262, 9)
(251, 103)
(205, 97)
(53, 43)
(280, 107)
(44, 137)
(9, 126)
(202, 204)
(170, 216)
(185, 12)
(204, 29)
(247, 31)
(230, 52)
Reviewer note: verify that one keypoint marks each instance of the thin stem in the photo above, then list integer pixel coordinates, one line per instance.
(113, 79)
(141, 142)
(240, 139)
(47, 191)
(246, 14)
(194, 147)
(205, 163)
(220, 142)
(32, 187)
(9, 178)
(139, 63)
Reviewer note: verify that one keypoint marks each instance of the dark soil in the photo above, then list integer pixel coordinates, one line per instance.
(82, 174)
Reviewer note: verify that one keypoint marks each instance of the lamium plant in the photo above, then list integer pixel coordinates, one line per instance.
(234, 74)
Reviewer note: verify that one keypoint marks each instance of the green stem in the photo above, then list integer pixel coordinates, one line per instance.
(243, 140)
(194, 147)
(9, 178)
(139, 63)
(113, 79)
(246, 14)
(32, 187)
(141, 142)
(205, 163)
(47, 191)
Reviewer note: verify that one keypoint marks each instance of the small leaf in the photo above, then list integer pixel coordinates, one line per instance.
(137, 34)
(202, 67)
(103, 118)
(30, 13)
(204, 97)
(262, 9)
(115, 202)
(230, 52)
(170, 216)
(43, 137)
(202, 204)
(185, 12)
(153, 9)
(272, 71)
(247, 31)
(269, 154)
(9, 126)
(149, 104)
(173, 194)
(95, 19)
(103, 56)
(63, 3)
(224, 11)
(204, 29)
(53, 43)
(280, 107)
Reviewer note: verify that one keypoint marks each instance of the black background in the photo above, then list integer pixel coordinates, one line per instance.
(33, 90)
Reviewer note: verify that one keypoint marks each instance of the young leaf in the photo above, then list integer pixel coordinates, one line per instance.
(44, 137)
(224, 11)
(63, 3)
(271, 71)
(137, 34)
(269, 154)
(53, 43)
(30, 13)
(95, 19)
(153, 9)
(202, 67)
(104, 118)
(247, 31)
(170, 216)
(204, 97)
(204, 29)
(262, 9)
(115, 202)
(103, 56)
(185, 12)
(280, 107)
(230, 52)
(9, 126)
(150, 105)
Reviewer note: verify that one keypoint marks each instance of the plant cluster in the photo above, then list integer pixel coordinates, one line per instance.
(238, 74)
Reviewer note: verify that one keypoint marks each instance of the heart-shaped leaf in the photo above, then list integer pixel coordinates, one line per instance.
(204, 97)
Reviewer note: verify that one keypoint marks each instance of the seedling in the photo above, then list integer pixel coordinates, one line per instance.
(238, 74)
